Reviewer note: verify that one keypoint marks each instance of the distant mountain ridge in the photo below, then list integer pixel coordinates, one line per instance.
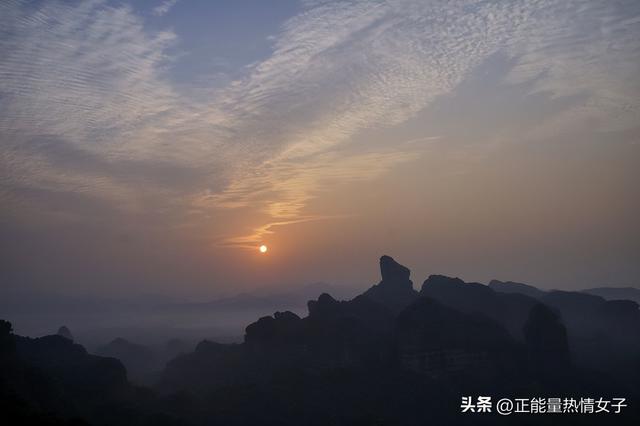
(616, 293)
(514, 287)
(291, 298)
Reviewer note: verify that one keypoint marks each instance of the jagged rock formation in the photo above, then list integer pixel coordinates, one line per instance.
(388, 356)
(510, 310)
(465, 297)
(335, 334)
(388, 325)
(281, 328)
(395, 291)
(388, 345)
(450, 326)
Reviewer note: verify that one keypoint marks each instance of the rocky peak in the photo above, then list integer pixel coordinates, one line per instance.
(442, 280)
(395, 291)
(65, 332)
(323, 306)
(283, 327)
(393, 273)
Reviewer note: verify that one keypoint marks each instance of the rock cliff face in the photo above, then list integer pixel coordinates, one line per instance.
(508, 309)
(547, 341)
(395, 291)
(434, 339)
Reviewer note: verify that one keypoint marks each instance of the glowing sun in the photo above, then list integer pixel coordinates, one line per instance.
(263, 249)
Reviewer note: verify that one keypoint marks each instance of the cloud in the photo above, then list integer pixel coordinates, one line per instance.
(85, 106)
(164, 7)
(283, 189)
(343, 67)
(91, 76)
(86, 72)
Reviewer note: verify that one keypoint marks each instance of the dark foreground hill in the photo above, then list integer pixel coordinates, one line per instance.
(391, 356)
(52, 381)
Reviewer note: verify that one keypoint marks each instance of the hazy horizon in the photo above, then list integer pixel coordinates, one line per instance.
(155, 319)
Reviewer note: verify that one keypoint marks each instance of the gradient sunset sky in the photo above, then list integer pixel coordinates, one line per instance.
(153, 146)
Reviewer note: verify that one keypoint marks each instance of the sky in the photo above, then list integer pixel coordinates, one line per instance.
(150, 147)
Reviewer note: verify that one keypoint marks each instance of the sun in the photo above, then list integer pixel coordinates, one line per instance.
(263, 249)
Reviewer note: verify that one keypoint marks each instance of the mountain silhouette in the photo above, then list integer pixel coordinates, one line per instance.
(509, 309)
(437, 340)
(513, 287)
(395, 291)
(616, 293)
(65, 332)
(449, 337)
(546, 339)
(391, 355)
(52, 381)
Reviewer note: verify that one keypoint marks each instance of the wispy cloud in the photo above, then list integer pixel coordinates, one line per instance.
(282, 189)
(91, 75)
(86, 72)
(87, 78)
(164, 7)
(340, 68)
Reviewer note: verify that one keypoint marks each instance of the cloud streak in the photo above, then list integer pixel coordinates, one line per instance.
(164, 7)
